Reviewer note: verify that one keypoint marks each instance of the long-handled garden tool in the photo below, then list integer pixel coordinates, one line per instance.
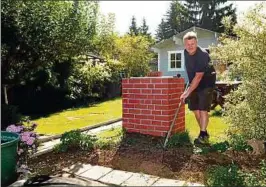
(173, 122)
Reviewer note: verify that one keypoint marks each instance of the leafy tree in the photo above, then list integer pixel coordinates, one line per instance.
(245, 108)
(36, 35)
(134, 54)
(105, 38)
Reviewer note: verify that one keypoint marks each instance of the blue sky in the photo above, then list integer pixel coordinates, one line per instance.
(153, 12)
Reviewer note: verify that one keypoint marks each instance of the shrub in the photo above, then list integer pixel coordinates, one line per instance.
(179, 139)
(239, 143)
(75, 140)
(224, 176)
(245, 108)
(257, 178)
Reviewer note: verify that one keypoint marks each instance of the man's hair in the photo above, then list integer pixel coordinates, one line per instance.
(190, 35)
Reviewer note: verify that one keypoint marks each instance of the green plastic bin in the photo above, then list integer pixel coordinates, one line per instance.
(9, 146)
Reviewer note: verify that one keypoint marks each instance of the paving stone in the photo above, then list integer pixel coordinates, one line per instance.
(138, 179)
(168, 182)
(116, 177)
(78, 168)
(96, 172)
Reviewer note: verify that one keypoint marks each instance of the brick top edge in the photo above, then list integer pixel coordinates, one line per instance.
(163, 77)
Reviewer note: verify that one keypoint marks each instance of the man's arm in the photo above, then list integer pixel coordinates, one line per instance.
(194, 84)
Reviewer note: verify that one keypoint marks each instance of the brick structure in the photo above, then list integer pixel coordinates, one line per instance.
(150, 103)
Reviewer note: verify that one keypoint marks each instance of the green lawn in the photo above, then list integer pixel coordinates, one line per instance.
(216, 127)
(77, 118)
(70, 119)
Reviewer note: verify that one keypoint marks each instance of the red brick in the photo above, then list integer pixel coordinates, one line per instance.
(146, 80)
(135, 91)
(162, 128)
(156, 80)
(165, 80)
(141, 127)
(126, 95)
(161, 96)
(127, 125)
(157, 112)
(162, 118)
(151, 107)
(134, 80)
(150, 97)
(134, 101)
(156, 123)
(156, 91)
(124, 120)
(146, 91)
(142, 97)
(161, 107)
(140, 86)
(146, 112)
(140, 116)
(151, 117)
(125, 101)
(125, 81)
(166, 123)
(157, 102)
(127, 85)
(125, 110)
(134, 111)
(175, 96)
(142, 106)
(153, 133)
(148, 102)
(155, 74)
(133, 130)
(145, 122)
(161, 85)
(128, 115)
(151, 86)
(125, 90)
(168, 112)
(135, 121)
(165, 102)
(128, 106)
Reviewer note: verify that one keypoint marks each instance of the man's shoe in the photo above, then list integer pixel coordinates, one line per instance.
(202, 140)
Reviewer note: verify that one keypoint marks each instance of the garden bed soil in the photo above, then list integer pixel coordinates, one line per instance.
(141, 153)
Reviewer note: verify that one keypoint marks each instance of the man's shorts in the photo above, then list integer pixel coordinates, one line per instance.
(201, 100)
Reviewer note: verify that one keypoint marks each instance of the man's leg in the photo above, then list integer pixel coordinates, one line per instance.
(205, 101)
(204, 120)
(197, 116)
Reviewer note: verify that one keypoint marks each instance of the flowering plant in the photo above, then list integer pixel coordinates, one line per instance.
(27, 144)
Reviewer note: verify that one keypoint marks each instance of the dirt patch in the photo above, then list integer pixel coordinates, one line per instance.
(140, 153)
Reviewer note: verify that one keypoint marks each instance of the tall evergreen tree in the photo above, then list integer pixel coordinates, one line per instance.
(177, 18)
(209, 14)
(144, 28)
(175, 21)
(161, 32)
(133, 28)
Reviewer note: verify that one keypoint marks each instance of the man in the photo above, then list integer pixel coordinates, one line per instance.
(202, 77)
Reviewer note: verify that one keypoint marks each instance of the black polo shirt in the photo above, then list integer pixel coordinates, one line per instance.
(200, 62)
